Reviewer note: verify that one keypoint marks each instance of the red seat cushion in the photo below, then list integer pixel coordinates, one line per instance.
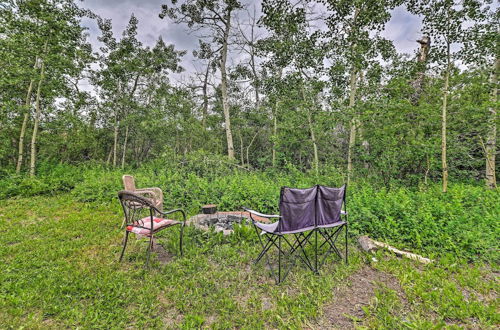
(143, 226)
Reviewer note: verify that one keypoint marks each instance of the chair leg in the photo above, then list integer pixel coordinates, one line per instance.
(346, 254)
(180, 238)
(316, 251)
(279, 259)
(124, 245)
(150, 245)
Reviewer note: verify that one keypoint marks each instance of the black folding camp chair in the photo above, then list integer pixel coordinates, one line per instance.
(303, 212)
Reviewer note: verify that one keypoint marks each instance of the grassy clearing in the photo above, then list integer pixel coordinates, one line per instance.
(59, 269)
(446, 294)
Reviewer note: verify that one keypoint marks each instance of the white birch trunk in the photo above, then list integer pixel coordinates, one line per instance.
(352, 131)
(491, 140)
(225, 103)
(37, 118)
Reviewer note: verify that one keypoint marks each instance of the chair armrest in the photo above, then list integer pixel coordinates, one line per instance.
(174, 211)
(343, 212)
(269, 216)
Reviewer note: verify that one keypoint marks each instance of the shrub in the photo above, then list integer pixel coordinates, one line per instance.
(462, 222)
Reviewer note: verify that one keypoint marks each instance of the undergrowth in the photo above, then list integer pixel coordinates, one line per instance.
(462, 223)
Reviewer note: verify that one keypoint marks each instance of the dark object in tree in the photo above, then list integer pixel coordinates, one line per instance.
(209, 209)
(418, 83)
(304, 213)
(141, 218)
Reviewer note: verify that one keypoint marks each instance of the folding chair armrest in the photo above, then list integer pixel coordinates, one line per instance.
(343, 212)
(269, 216)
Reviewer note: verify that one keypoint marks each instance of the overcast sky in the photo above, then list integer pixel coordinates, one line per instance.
(403, 28)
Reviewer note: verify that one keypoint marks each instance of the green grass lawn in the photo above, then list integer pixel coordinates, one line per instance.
(58, 268)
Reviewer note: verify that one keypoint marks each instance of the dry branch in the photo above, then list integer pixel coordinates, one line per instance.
(370, 245)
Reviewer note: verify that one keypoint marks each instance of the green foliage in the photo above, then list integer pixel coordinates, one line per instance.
(53, 178)
(462, 222)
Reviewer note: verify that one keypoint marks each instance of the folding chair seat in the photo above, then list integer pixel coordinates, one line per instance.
(143, 218)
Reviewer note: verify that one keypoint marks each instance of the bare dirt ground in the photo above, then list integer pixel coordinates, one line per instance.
(346, 306)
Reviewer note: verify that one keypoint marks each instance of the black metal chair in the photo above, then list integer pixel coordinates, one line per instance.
(303, 212)
(141, 217)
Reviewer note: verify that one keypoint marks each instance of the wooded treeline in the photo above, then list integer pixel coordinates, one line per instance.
(309, 84)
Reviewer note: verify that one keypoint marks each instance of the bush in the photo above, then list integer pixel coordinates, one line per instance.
(50, 179)
(462, 222)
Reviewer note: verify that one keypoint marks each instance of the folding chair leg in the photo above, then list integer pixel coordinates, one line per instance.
(279, 259)
(316, 251)
(265, 247)
(346, 254)
(124, 245)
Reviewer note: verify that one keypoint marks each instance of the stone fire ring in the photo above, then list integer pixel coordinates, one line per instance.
(222, 221)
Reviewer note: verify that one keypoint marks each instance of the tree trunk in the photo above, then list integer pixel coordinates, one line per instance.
(444, 162)
(108, 160)
(491, 139)
(313, 139)
(205, 97)
(352, 131)
(248, 148)
(311, 130)
(275, 132)
(275, 123)
(37, 117)
(359, 128)
(241, 150)
(125, 147)
(115, 143)
(225, 104)
(254, 72)
(23, 126)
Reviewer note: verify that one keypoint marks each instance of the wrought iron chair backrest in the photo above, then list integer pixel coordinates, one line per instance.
(329, 204)
(136, 208)
(297, 209)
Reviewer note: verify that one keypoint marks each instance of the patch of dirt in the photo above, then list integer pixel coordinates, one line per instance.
(161, 254)
(348, 301)
(171, 317)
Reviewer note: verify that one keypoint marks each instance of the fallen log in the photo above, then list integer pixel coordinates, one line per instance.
(370, 245)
